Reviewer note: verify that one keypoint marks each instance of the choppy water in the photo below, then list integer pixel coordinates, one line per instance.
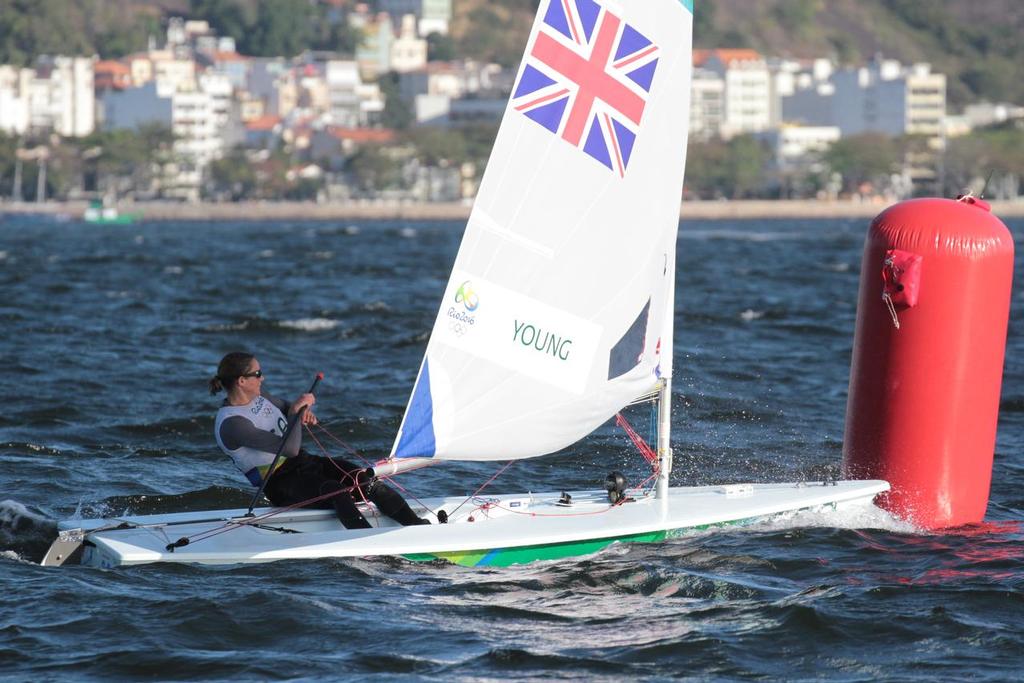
(109, 336)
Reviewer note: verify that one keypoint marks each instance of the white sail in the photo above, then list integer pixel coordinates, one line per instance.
(559, 307)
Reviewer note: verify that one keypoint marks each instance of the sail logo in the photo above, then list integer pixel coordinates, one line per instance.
(524, 335)
(462, 321)
(587, 79)
(467, 297)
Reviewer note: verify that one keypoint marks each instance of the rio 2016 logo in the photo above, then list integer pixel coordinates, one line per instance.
(462, 321)
(467, 297)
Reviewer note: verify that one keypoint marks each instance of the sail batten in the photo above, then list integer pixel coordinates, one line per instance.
(558, 311)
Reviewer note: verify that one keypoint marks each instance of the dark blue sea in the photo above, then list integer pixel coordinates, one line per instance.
(111, 333)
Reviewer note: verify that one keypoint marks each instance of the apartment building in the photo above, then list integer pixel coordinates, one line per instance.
(746, 95)
(57, 95)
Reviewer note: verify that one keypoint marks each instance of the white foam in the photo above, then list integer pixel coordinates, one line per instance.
(751, 314)
(11, 555)
(3, 255)
(852, 517)
(16, 520)
(310, 324)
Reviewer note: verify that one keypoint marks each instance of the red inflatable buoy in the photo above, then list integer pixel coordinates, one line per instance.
(928, 354)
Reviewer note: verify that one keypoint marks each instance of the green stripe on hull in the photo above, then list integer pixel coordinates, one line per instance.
(505, 557)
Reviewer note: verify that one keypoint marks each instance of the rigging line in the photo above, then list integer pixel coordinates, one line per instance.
(482, 487)
(641, 445)
(239, 522)
(554, 514)
(369, 464)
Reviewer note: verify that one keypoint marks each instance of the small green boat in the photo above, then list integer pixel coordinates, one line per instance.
(108, 215)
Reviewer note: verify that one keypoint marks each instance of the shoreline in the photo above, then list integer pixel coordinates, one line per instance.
(300, 211)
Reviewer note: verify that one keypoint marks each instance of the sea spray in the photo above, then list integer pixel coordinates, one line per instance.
(23, 531)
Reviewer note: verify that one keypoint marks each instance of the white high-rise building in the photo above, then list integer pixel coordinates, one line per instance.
(747, 88)
(57, 95)
(882, 97)
(707, 104)
(14, 86)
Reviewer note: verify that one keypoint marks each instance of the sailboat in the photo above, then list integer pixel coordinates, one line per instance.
(557, 315)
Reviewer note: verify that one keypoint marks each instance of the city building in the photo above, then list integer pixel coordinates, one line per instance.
(431, 16)
(374, 50)
(57, 95)
(707, 104)
(881, 97)
(747, 88)
(798, 147)
(353, 103)
(408, 51)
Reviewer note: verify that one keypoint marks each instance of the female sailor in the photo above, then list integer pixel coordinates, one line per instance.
(249, 427)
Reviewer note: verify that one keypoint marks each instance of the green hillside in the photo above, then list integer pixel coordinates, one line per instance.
(976, 43)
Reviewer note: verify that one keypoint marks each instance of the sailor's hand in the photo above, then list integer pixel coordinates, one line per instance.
(304, 406)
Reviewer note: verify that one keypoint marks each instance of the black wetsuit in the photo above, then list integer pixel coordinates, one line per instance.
(303, 476)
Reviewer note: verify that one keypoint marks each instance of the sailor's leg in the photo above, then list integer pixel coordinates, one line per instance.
(391, 503)
(344, 506)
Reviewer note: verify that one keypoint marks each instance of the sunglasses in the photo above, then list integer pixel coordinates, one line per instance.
(258, 374)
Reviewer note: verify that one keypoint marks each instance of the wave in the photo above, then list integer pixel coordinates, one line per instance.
(318, 324)
(752, 236)
(210, 498)
(25, 532)
(310, 324)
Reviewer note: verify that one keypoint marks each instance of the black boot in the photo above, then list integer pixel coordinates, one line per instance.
(389, 502)
(345, 507)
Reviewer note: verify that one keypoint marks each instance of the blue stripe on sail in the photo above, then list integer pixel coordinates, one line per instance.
(418, 431)
(688, 4)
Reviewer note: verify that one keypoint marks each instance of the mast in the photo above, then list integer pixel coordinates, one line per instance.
(664, 441)
(665, 394)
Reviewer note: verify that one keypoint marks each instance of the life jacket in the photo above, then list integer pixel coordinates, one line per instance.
(265, 416)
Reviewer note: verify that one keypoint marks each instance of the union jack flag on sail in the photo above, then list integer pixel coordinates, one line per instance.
(587, 78)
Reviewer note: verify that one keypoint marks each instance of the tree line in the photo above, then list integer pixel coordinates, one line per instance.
(135, 163)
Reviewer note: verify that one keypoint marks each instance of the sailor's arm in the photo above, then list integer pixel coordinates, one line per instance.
(238, 432)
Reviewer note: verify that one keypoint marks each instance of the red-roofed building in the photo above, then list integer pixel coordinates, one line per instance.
(336, 143)
(261, 132)
(111, 75)
(747, 92)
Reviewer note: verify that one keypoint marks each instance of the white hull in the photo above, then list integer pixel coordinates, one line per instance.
(512, 529)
